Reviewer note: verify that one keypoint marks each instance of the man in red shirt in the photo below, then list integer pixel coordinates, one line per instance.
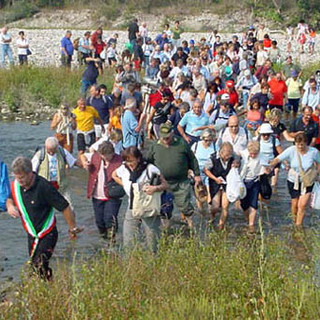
(95, 35)
(231, 91)
(278, 90)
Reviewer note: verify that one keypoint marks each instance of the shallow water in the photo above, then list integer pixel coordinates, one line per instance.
(22, 139)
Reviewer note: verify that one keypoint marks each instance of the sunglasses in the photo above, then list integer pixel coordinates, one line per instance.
(207, 140)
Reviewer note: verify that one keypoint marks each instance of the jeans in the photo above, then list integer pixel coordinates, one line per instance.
(106, 213)
(85, 84)
(5, 50)
(131, 227)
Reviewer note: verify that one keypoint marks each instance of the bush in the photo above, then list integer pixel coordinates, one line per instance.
(34, 85)
(18, 11)
(214, 278)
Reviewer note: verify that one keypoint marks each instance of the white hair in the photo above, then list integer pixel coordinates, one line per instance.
(52, 142)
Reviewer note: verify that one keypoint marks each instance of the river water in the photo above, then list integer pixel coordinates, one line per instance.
(21, 138)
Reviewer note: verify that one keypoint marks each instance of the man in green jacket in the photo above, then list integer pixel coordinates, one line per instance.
(174, 158)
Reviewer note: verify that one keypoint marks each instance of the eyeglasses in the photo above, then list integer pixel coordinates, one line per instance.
(207, 140)
(236, 126)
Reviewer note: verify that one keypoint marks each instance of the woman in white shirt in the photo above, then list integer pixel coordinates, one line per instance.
(143, 183)
(252, 168)
(23, 48)
(301, 158)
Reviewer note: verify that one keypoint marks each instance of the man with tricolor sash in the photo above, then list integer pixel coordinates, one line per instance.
(34, 199)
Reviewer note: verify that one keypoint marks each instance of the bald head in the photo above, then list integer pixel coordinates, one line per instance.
(233, 124)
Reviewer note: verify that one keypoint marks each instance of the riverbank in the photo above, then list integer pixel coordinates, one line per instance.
(33, 93)
(213, 278)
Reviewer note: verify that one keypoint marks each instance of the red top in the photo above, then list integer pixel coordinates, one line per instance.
(317, 120)
(277, 89)
(234, 98)
(99, 47)
(267, 43)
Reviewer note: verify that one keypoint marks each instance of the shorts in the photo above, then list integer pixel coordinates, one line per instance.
(82, 143)
(251, 199)
(98, 131)
(294, 103)
(111, 60)
(294, 194)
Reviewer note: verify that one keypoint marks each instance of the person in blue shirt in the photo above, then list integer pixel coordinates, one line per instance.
(130, 125)
(4, 185)
(66, 50)
(192, 120)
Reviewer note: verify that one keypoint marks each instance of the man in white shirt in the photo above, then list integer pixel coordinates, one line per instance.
(5, 49)
(51, 162)
(237, 136)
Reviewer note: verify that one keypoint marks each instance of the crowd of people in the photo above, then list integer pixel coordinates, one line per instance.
(182, 118)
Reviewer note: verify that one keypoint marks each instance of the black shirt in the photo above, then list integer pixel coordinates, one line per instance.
(91, 73)
(162, 111)
(183, 57)
(279, 129)
(39, 200)
(133, 29)
(310, 130)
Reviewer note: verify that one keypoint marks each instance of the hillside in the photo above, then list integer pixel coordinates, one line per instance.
(197, 15)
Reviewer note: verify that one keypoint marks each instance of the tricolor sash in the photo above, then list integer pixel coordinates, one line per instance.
(48, 225)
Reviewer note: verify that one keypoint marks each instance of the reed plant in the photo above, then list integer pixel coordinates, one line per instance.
(212, 277)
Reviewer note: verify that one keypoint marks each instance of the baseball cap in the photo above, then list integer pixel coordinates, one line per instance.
(294, 73)
(165, 130)
(229, 84)
(191, 41)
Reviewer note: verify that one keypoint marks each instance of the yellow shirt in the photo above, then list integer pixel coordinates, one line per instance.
(115, 122)
(85, 119)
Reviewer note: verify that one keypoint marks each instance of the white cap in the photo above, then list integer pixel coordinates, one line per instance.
(225, 96)
(247, 72)
(266, 129)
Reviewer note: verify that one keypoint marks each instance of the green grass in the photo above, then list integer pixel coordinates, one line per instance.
(28, 87)
(215, 278)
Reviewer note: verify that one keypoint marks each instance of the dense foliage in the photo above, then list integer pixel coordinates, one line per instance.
(282, 11)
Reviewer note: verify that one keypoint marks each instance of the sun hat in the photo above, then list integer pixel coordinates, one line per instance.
(266, 129)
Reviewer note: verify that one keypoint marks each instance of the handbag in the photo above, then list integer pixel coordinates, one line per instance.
(115, 190)
(29, 52)
(145, 205)
(309, 176)
(265, 187)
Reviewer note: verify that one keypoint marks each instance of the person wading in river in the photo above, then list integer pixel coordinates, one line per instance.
(33, 199)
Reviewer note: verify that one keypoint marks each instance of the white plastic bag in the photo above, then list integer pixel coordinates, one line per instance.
(315, 196)
(235, 187)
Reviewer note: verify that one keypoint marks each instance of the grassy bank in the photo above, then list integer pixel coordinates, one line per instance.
(27, 88)
(252, 278)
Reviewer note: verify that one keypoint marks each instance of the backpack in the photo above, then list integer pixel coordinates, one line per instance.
(42, 150)
(76, 43)
(216, 116)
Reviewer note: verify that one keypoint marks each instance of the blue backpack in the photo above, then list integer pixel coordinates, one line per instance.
(4, 186)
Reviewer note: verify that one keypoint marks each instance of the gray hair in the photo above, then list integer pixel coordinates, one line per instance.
(106, 148)
(21, 165)
(130, 102)
(52, 142)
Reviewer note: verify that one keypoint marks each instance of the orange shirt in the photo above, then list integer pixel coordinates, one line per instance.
(115, 123)
(277, 89)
